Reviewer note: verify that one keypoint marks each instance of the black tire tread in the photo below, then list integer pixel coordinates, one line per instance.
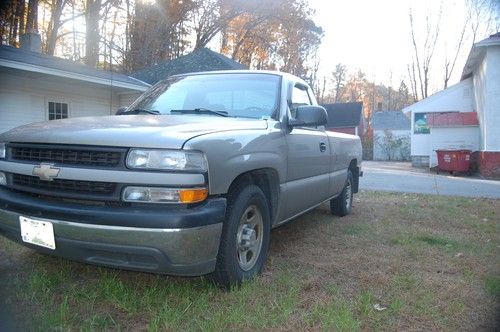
(337, 204)
(227, 271)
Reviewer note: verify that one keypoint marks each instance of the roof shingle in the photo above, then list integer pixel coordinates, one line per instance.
(202, 59)
(391, 120)
(51, 62)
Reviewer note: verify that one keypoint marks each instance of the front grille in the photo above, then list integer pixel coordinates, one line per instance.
(98, 203)
(34, 184)
(69, 155)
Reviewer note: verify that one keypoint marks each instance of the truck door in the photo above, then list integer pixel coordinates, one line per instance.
(308, 160)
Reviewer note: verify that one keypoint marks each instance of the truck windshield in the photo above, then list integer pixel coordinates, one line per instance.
(234, 95)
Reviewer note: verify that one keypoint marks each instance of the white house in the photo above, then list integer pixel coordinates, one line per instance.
(391, 136)
(465, 115)
(37, 87)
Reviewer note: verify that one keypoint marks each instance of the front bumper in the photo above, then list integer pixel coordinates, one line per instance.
(150, 243)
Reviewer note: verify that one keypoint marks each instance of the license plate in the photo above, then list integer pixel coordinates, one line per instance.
(38, 232)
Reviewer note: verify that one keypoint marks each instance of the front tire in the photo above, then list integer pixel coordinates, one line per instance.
(245, 237)
(342, 204)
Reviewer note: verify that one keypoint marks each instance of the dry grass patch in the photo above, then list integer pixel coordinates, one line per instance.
(430, 262)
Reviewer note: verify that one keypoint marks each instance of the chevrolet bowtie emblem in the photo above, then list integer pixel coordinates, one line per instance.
(46, 172)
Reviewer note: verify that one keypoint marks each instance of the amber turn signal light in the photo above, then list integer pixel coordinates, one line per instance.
(193, 195)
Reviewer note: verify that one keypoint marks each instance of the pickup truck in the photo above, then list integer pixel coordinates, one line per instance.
(189, 180)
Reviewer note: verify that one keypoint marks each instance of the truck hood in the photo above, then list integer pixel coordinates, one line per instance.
(152, 131)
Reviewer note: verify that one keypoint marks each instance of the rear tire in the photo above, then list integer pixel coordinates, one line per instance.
(342, 204)
(245, 237)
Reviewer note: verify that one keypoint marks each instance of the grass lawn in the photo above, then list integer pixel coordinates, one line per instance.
(432, 262)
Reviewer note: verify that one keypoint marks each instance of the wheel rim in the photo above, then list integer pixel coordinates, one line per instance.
(348, 195)
(249, 237)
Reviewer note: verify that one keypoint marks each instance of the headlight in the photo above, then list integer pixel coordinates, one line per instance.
(164, 195)
(2, 150)
(174, 160)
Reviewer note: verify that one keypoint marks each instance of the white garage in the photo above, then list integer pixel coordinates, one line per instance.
(37, 87)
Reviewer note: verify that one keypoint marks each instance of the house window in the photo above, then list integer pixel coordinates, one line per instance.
(58, 110)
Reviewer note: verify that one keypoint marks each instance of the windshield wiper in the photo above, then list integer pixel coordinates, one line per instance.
(140, 111)
(201, 111)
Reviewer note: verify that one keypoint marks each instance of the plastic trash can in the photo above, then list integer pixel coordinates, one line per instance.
(454, 161)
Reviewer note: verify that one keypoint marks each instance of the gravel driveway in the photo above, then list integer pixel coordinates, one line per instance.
(401, 177)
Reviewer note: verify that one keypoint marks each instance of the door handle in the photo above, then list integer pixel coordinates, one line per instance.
(322, 147)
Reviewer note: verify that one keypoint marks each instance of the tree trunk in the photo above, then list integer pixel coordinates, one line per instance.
(112, 41)
(22, 14)
(32, 19)
(92, 32)
(54, 25)
(18, 28)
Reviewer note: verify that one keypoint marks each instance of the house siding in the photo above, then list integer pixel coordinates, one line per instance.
(127, 99)
(479, 78)
(453, 138)
(397, 154)
(457, 98)
(489, 78)
(487, 98)
(24, 98)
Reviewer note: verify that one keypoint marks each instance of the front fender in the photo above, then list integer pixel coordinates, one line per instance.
(233, 153)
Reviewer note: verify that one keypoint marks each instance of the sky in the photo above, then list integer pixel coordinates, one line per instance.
(374, 36)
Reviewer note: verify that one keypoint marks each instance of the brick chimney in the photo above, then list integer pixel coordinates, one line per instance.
(31, 41)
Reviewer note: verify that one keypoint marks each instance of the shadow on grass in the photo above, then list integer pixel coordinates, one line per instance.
(67, 295)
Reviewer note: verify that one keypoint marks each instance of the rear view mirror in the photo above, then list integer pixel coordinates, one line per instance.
(309, 116)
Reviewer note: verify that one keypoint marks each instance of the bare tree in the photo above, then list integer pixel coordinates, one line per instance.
(32, 18)
(275, 34)
(18, 28)
(250, 36)
(55, 23)
(157, 32)
(449, 64)
(92, 9)
(76, 55)
(212, 16)
(484, 16)
(134, 34)
(481, 15)
(413, 80)
(423, 53)
(21, 10)
(339, 80)
(12, 20)
(322, 91)
(313, 79)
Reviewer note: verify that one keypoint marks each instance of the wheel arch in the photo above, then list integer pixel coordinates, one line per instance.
(267, 179)
(353, 167)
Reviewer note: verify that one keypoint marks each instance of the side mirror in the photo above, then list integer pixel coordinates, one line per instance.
(309, 116)
(121, 110)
